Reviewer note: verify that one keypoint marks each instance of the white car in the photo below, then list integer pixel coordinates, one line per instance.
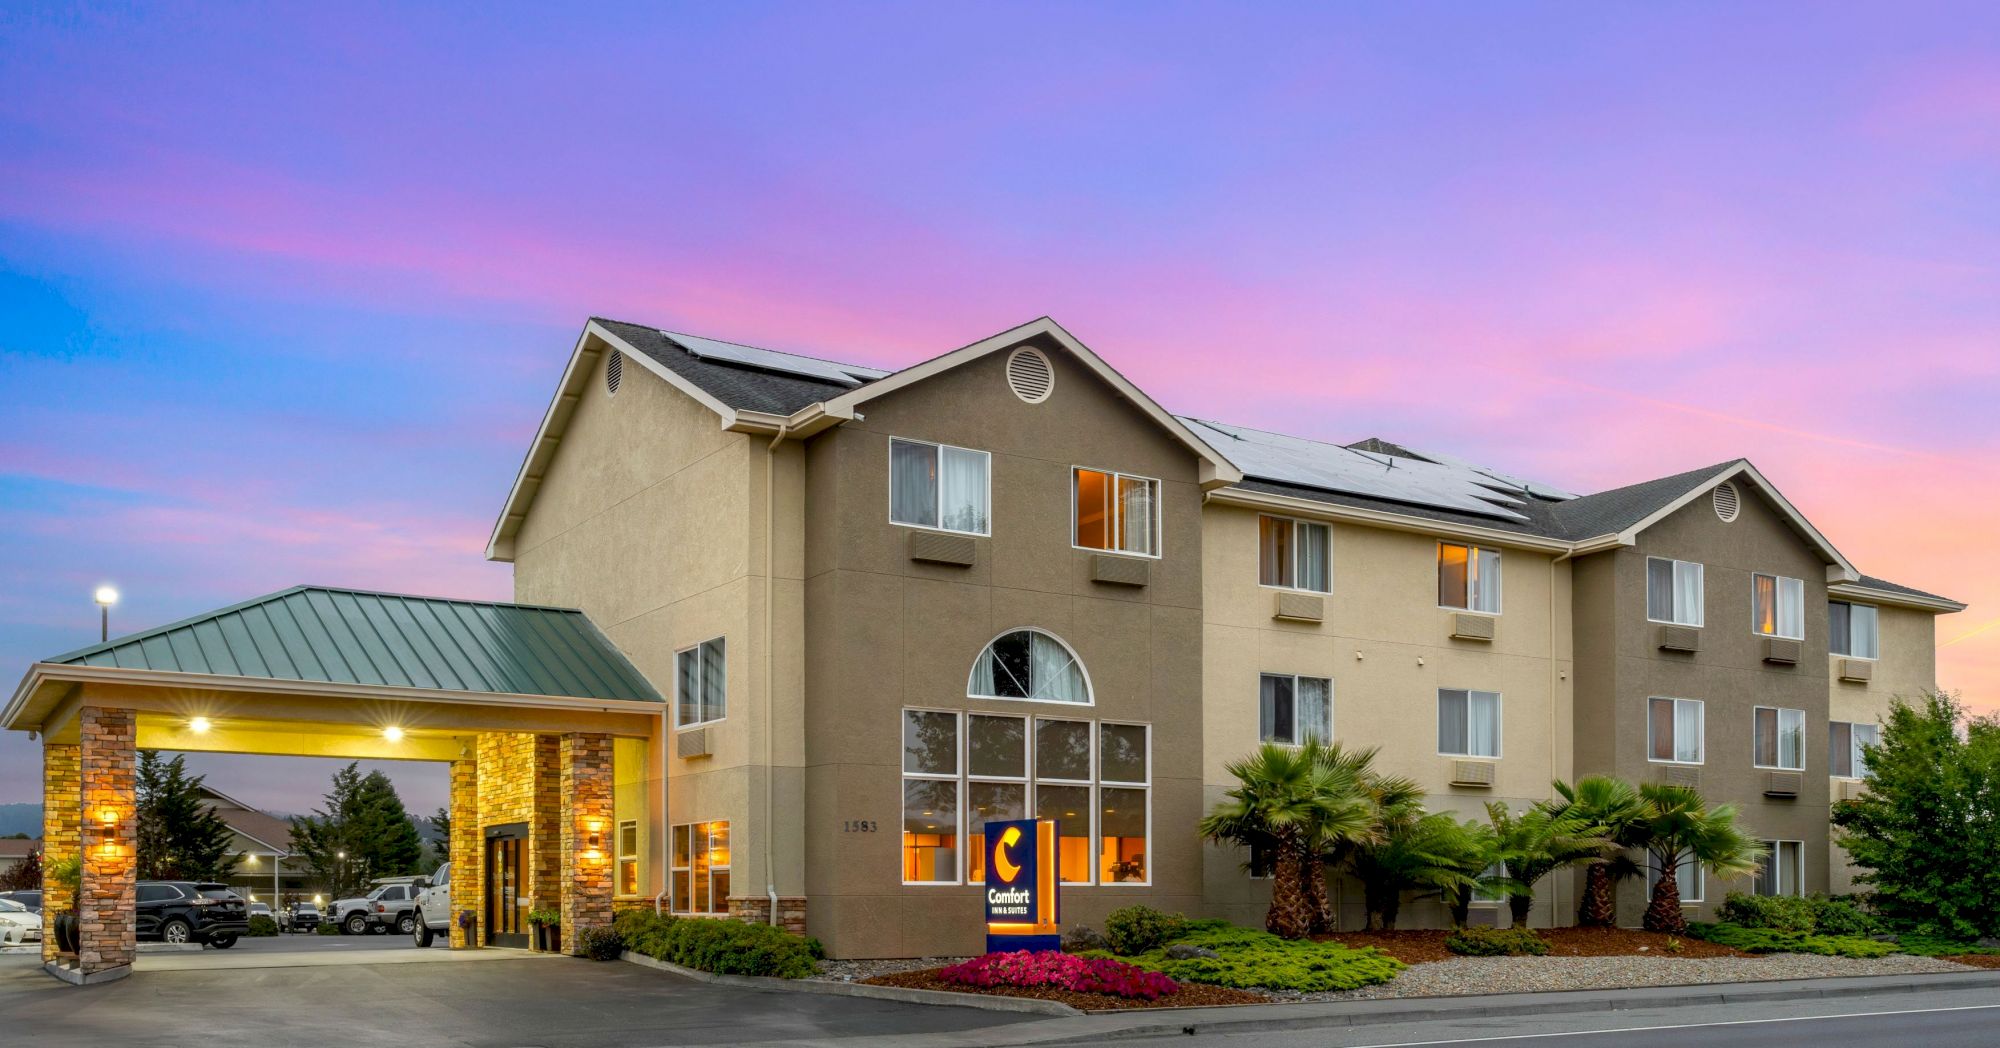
(18, 924)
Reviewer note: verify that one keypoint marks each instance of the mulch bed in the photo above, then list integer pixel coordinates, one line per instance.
(1976, 960)
(1420, 946)
(1191, 995)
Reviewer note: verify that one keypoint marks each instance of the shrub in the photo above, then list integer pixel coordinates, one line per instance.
(717, 945)
(1136, 929)
(1816, 914)
(328, 928)
(601, 944)
(1247, 959)
(1842, 917)
(1496, 942)
(1063, 970)
(1937, 946)
(262, 926)
(1772, 940)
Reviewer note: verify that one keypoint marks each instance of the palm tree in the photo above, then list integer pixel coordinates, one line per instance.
(1417, 850)
(1681, 827)
(1536, 843)
(1613, 810)
(1470, 853)
(1386, 798)
(1287, 801)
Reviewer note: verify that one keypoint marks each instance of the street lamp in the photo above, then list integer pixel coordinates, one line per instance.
(106, 597)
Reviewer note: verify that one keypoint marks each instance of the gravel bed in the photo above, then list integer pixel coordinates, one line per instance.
(1473, 975)
(858, 971)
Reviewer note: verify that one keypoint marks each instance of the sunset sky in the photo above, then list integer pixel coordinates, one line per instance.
(286, 294)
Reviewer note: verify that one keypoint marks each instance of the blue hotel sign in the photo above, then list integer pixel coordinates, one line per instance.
(1022, 905)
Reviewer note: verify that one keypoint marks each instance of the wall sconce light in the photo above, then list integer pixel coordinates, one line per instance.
(107, 817)
(595, 850)
(199, 725)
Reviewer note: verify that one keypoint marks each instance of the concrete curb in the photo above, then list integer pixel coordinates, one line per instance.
(986, 1002)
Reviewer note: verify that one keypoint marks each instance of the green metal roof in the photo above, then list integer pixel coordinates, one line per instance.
(343, 636)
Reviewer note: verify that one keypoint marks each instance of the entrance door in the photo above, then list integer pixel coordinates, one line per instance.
(506, 875)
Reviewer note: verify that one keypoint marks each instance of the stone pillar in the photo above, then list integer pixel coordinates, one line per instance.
(586, 835)
(62, 835)
(468, 852)
(545, 866)
(107, 938)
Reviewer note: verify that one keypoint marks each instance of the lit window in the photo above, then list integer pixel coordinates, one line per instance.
(1294, 554)
(1673, 730)
(1845, 756)
(1468, 578)
(1783, 871)
(1468, 723)
(1117, 512)
(1123, 775)
(1778, 606)
(628, 857)
(1851, 630)
(1781, 738)
(1673, 591)
(1687, 877)
(700, 870)
(996, 790)
(1292, 709)
(930, 797)
(939, 486)
(1028, 664)
(702, 683)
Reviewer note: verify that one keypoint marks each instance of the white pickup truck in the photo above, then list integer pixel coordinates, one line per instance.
(433, 911)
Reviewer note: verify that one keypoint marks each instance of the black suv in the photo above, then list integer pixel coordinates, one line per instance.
(191, 911)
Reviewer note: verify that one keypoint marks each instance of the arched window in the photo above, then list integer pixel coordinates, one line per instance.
(1029, 664)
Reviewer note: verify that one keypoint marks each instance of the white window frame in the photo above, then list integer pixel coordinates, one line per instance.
(1295, 741)
(1699, 875)
(1876, 618)
(621, 857)
(1159, 514)
(1472, 551)
(1089, 688)
(1292, 555)
(1778, 594)
(1857, 762)
(1098, 784)
(1700, 610)
(956, 778)
(1775, 869)
(678, 906)
(1779, 721)
(1701, 743)
(1499, 723)
(701, 667)
(1026, 780)
(938, 450)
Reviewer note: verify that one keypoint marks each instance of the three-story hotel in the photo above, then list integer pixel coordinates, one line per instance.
(825, 621)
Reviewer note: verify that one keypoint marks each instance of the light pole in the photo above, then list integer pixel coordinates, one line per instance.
(106, 597)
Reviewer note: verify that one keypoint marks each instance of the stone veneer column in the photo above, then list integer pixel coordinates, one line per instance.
(467, 851)
(62, 834)
(756, 909)
(545, 865)
(586, 813)
(107, 937)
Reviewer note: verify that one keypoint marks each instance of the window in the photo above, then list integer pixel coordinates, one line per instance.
(158, 892)
(1844, 755)
(1687, 876)
(1783, 872)
(1116, 512)
(1778, 606)
(703, 685)
(1468, 578)
(1293, 709)
(1673, 591)
(1851, 630)
(1093, 778)
(1484, 892)
(1673, 730)
(1468, 723)
(700, 870)
(628, 857)
(939, 486)
(1781, 738)
(1293, 554)
(1028, 664)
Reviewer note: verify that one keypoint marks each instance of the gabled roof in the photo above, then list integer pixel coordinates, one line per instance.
(1619, 509)
(343, 636)
(1881, 591)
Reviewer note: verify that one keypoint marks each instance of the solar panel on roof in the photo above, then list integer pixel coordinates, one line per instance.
(772, 360)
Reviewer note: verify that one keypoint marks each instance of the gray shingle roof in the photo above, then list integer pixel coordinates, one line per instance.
(1872, 582)
(741, 387)
(341, 636)
(1609, 512)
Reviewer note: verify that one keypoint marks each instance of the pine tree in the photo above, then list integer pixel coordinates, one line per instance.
(180, 836)
(361, 833)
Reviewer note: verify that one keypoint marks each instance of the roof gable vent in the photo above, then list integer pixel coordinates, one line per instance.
(614, 372)
(1030, 375)
(1727, 501)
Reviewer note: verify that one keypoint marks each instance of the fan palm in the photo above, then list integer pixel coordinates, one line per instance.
(1612, 809)
(1681, 827)
(1417, 850)
(1287, 801)
(1536, 843)
(1387, 801)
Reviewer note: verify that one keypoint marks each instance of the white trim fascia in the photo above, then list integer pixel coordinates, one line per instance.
(1867, 595)
(45, 672)
(1216, 468)
(1839, 569)
(1287, 505)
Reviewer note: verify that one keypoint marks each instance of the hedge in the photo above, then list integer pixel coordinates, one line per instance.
(719, 945)
(1773, 940)
(1496, 942)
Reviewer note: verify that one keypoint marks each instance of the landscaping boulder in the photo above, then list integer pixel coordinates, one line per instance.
(1083, 937)
(1181, 951)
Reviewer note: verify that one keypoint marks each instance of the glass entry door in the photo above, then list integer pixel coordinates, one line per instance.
(506, 875)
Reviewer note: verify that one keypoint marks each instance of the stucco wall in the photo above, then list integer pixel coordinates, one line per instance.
(1906, 669)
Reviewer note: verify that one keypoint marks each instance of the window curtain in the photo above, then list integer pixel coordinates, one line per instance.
(1791, 608)
(1767, 737)
(1452, 570)
(1687, 731)
(688, 693)
(714, 676)
(964, 491)
(1135, 515)
(1660, 589)
(1315, 570)
(1839, 627)
(982, 674)
(1839, 749)
(1053, 675)
(1274, 541)
(1452, 736)
(1687, 593)
(913, 483)
(1866, 640)
(1864, 735)
(1314, 701)
(1483, 724)
(1660, 728)
(1485, 595)
(1274, 709)
(1093, 509)
(1792, 739)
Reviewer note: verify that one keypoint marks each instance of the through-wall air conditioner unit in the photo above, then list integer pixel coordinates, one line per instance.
(1680, 638)
(1782, 650)
(1472, 773)
(1299, 607)
(691, 743)
(1783, 783)
(1467, 626)
(934, 548)
(1860, 671)
(1688, 775)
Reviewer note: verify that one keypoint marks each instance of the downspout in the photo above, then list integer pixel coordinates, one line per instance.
(770, 662)
(666, 822)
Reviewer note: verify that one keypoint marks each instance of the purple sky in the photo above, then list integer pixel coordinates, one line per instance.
(287, 293)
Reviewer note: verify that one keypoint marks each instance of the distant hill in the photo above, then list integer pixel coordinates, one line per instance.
(20, 818)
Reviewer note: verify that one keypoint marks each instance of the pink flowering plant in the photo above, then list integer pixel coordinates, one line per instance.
(1063, 971)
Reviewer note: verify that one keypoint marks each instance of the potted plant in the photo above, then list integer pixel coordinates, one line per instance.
(66, 875)
(548, 929)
